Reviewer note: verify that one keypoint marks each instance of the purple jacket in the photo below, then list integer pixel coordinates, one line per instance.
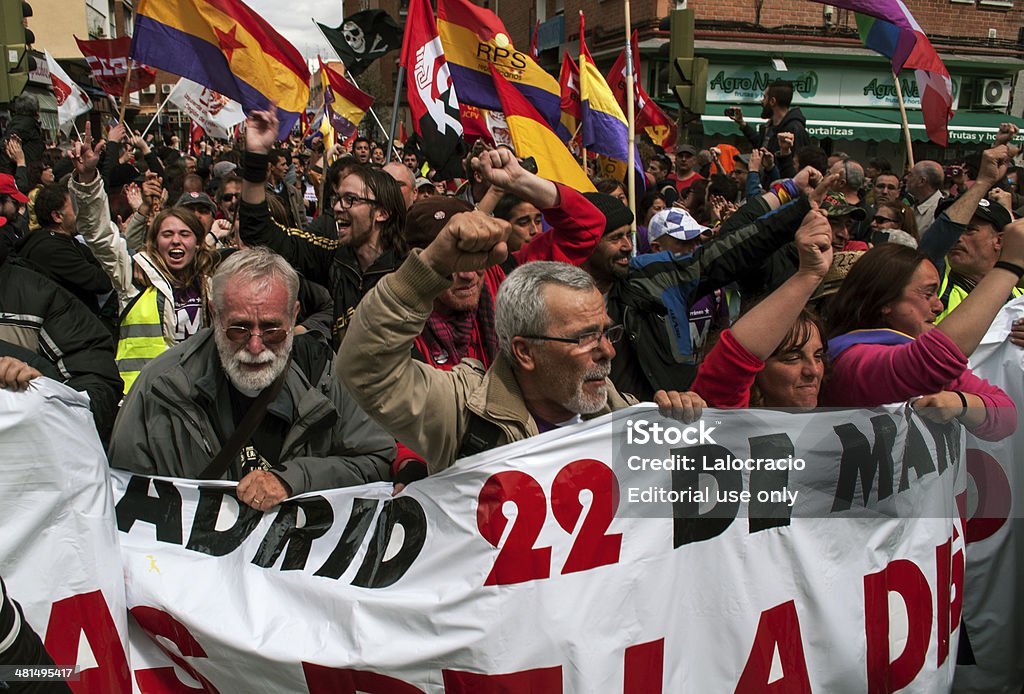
(868, 375)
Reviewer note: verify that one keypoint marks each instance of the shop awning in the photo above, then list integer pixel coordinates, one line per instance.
(867, 124)
(978, 127)
(822, 121)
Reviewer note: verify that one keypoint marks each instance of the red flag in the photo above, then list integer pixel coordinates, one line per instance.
(431, 94)
(108, 60)
(474, 125)
(195, 134)
(569, 81)
(649, 116)
(534, 51)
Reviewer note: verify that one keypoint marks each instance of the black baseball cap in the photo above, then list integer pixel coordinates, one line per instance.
(993, 213)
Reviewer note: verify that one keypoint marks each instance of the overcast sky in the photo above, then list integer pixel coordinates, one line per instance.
(294, 20)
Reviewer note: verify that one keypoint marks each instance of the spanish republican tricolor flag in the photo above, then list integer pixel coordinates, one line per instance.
(224, 46)
(474, 41)
(344, 103)
(531, 136)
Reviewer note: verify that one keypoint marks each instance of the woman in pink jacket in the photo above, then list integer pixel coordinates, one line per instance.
(886, 348)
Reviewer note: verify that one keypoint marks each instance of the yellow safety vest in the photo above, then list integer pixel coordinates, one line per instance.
(141, 336)
(952, 294)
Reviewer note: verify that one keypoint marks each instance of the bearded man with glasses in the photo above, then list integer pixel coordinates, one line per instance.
(195, 398)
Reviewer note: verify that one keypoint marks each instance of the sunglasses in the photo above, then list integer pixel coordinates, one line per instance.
(271, 336)
(229, 196)
(879, 219)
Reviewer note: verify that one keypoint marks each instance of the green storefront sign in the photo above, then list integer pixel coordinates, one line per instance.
(818, 87)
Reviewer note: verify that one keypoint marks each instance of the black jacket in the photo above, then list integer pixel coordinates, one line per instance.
(767, 134)
(31, 134)
(67, 262)
(41, 316)
(645, 360)
(319, 259)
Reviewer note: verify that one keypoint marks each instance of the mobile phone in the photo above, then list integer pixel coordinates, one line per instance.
(732, 111)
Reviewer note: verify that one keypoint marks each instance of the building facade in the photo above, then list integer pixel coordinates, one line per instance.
(846, 91)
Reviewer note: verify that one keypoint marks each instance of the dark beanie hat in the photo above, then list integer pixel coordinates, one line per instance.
(616, 214)
(427, 217)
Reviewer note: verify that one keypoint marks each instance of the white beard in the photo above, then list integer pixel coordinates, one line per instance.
(251, 383)
(583, 403)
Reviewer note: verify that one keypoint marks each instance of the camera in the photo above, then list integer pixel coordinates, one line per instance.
(732, 111)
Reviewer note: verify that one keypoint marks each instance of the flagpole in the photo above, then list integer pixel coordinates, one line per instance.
(583, 147)
(631, 122)
(124, 94)
(380, 125)
(156, 115)
(394, 113)
(903, 116)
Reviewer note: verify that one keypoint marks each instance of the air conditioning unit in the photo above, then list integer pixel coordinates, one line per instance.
(151, 89)
(994, 93)
(166, 88)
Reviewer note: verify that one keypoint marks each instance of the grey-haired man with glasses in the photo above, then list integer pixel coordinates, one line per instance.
(194, 398)
(555, 341)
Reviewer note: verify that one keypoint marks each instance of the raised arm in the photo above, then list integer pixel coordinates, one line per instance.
(311, 255)
(944, 232)
(765, 326)
(576, 225)
(415, 403)
(94, 223)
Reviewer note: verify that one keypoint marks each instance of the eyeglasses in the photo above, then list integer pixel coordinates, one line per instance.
(586, 340)
(879, 219)
(271, 336)
(348, 200)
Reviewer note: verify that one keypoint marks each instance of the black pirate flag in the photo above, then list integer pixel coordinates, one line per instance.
(363, 37)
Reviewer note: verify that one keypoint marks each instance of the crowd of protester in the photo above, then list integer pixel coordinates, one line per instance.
(297, 315)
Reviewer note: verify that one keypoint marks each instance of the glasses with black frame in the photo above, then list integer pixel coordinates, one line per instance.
(588, 340)
(348, 200)
(271, 336)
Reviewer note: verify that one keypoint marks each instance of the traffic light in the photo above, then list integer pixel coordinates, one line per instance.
(15, 39)
(691, 73)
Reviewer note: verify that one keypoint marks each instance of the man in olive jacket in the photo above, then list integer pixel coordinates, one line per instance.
(191, 399)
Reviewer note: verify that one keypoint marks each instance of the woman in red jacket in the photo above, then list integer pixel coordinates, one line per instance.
(773, 356)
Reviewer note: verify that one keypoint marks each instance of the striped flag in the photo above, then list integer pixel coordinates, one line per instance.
(224, 46)
(344, 103)
(531, 136)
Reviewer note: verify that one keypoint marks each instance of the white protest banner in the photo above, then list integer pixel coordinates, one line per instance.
(213, 112)
(59, 551)
(539, 567)
(993, 602)
(72, 101)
